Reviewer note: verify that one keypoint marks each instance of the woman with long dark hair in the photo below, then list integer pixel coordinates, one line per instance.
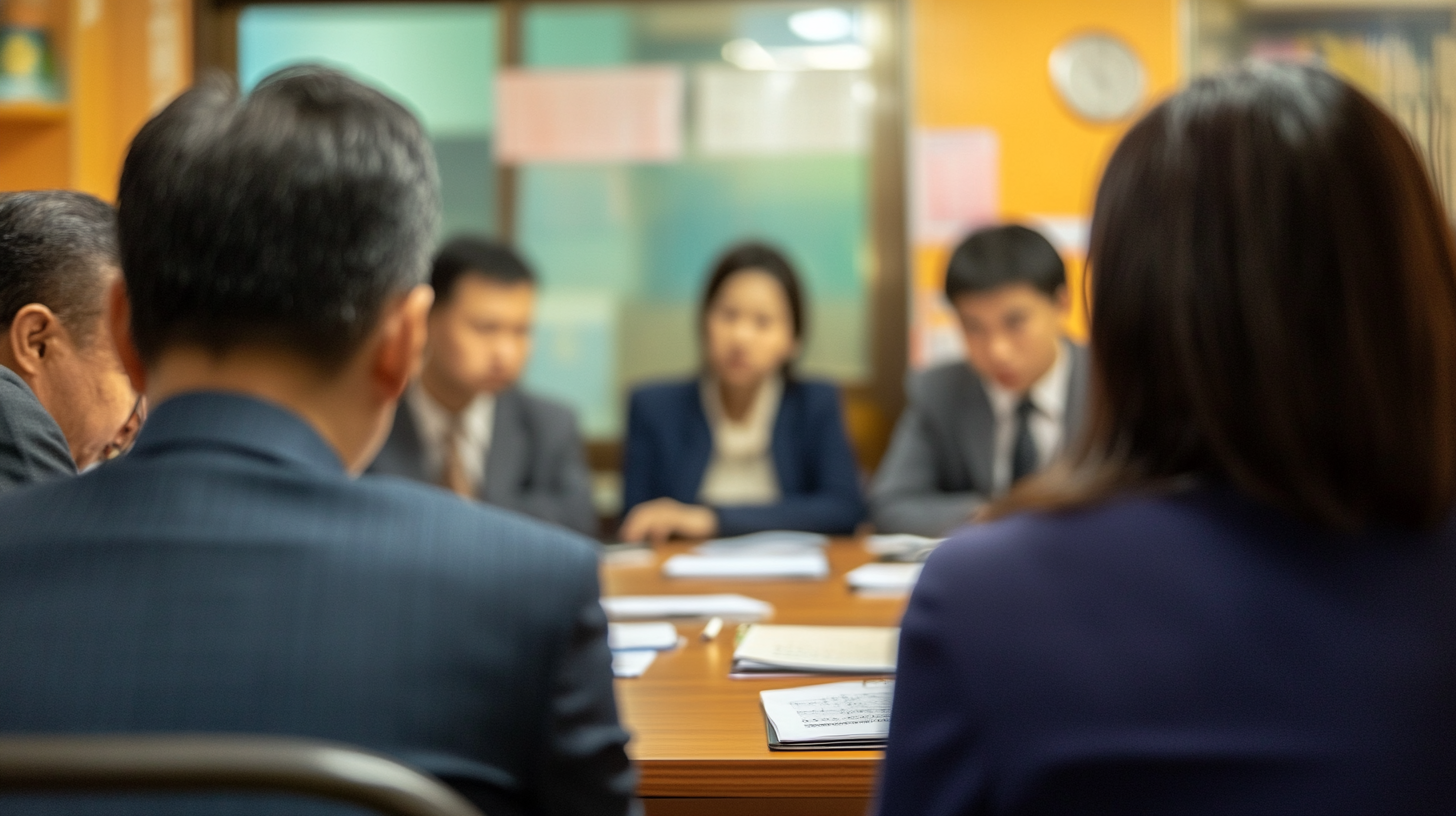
(1238, 595)
(746, 446)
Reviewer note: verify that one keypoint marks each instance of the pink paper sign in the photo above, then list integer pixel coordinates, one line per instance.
(617, 114)
(957, 183)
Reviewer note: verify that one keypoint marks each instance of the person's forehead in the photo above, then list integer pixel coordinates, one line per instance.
(481, 288)
(1012, 297)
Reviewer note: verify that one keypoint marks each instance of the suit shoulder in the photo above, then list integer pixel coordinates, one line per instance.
(938, 382)
(547, 410)
(471, 527)
(670, 395)
(817, 396)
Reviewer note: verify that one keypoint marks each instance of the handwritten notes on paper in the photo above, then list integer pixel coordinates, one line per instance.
(852, 715)
(600, 115)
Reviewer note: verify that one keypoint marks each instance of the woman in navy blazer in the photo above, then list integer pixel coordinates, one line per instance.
(1237, 595)
(747, 446)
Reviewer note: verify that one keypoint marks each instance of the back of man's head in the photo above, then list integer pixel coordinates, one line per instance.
(284, 219)
(476, 255)
(57, 249)
(1000, 256)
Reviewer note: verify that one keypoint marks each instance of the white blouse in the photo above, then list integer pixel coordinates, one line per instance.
(741, 471)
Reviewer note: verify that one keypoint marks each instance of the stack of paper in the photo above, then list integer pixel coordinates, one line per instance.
(834, 716)
(817, 649)
(884, 577)
(635, 645)
(773, 554)
(732, 607)
(781, 565)
(902, 546)
(623, 637)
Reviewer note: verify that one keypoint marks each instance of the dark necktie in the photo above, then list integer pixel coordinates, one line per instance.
(1024, 459)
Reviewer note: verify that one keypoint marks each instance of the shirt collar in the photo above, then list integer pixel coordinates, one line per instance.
(245, 424)
(434, 420)
(1049, 393)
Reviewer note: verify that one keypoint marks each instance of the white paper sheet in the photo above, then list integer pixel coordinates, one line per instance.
(955, 182)
(786, 565)
(765, 543)
(901, 546)
(632, 664)
(884, 577)
(826, 649)
(733, 607)
(857, 710)
(629, 636)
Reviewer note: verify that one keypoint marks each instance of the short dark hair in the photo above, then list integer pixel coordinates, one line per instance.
(286, 218)
(476, 255)
(1274, 283)
(762, 258)
(1000, 256)
(55, 248)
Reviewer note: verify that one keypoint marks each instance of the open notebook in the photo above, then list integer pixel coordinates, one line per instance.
(817, 649)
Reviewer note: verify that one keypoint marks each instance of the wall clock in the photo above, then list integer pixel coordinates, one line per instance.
(1098, 76)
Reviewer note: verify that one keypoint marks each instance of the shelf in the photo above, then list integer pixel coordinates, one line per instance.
(33, 112)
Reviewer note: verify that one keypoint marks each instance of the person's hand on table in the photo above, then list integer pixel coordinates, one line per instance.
(661, 519)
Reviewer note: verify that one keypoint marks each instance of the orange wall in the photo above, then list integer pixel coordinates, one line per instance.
(983, 63)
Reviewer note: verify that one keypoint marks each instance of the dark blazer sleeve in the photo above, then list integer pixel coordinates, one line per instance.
(32, 447)
(586, 771)
(829, 501)
(641, 460)
(563, 493)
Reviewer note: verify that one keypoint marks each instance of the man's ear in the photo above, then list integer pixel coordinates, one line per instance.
(401, 345)
(33, 333)
(118, 319)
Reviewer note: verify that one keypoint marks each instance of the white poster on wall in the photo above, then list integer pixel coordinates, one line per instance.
(756, 113)
(598, 115)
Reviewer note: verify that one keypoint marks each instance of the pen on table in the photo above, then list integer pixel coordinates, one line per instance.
(714, 626)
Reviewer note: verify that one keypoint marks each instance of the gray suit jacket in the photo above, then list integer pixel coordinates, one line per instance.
(937, 471)
(32, 447)
(536, 464)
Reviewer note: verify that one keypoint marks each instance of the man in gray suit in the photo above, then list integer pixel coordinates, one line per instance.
(973, 428)
(465, 424)
(65, 401)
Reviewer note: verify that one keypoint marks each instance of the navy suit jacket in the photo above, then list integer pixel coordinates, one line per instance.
(1188, 653)
(227, 575)
(669, 445)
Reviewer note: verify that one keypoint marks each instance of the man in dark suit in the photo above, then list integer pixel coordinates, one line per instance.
(465, 424)
(973, 428)
(230, 574)
(64, 399)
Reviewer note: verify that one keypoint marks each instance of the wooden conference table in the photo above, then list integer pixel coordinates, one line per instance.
(698, 736)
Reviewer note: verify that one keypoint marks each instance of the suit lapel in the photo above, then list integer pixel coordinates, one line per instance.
(697, 451)
(506, 460)
(977, 430)
(1075, 415)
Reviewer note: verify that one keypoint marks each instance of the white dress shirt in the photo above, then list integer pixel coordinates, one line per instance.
(433, 422)
(1049, 396)
(741, 471)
